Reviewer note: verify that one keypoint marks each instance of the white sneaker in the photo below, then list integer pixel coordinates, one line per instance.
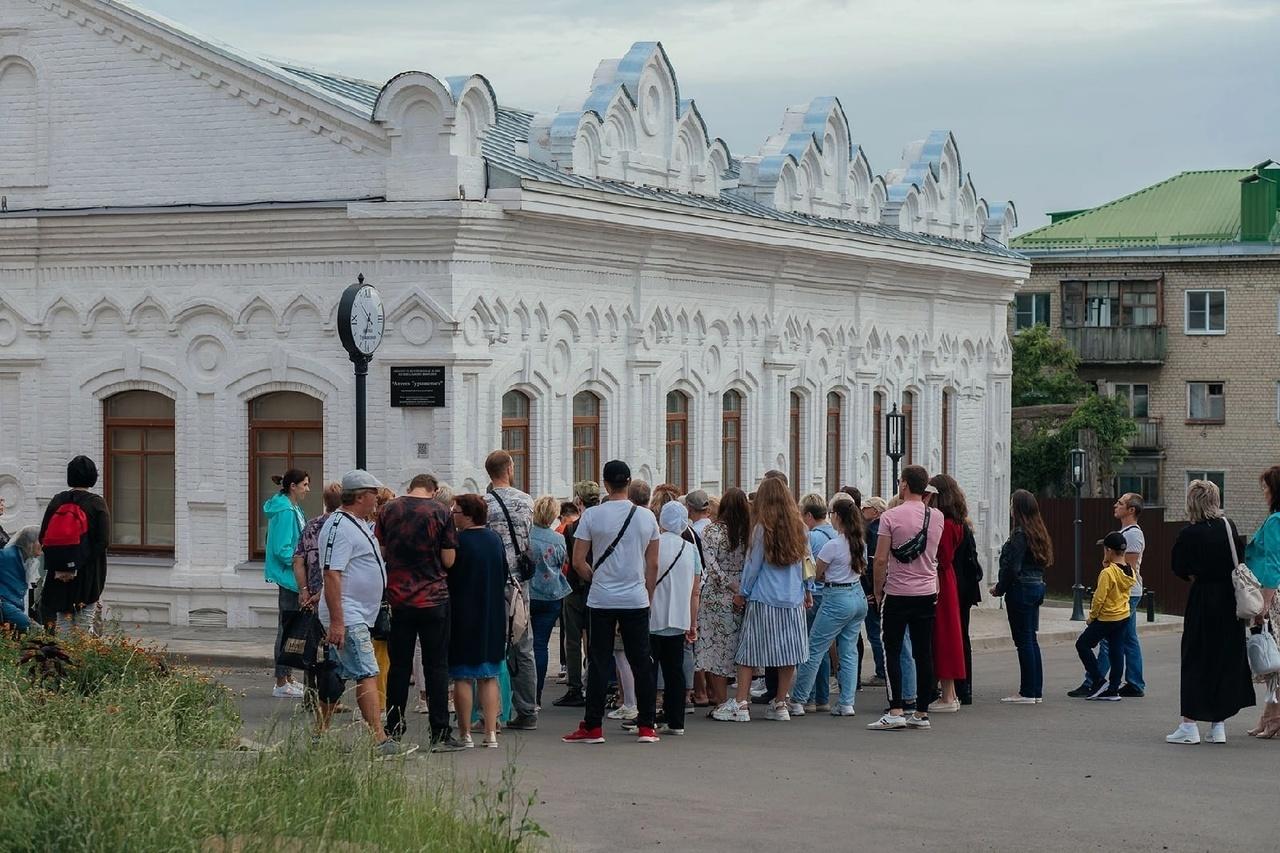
(732, 712)
(1217, 733)
(491, 740)
(467, 741)
(758, 688)
(842, 711)
(288, 690)
(1187, 733)
(624, 712)
(795, 709)
(888, 722)
(944, 707)
(778, 711)
(1015, 699)
(914, 722)
(420, 707)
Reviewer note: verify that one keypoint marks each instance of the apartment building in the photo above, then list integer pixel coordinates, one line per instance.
(1171, 298)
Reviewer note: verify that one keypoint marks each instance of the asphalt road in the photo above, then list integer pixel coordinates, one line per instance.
(1064, 775)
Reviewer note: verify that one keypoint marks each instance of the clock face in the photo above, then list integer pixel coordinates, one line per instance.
(367, 320)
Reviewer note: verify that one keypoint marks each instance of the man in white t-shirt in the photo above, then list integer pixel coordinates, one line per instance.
(1126, 510)
(355, 578)
(623, 541)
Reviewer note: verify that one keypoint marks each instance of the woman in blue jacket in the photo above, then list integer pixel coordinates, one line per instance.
(284, 526)
(14, 576)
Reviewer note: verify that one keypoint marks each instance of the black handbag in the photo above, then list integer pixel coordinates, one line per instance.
(381, 628)
(302, 641)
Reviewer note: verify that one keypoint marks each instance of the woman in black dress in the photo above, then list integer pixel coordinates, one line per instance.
(478, 616)
(1216, 682)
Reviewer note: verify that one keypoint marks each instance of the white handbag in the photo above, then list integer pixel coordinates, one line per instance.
(1264, 654)
(1248, 590)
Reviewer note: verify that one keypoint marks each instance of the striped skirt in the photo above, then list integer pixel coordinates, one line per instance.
(773, 636)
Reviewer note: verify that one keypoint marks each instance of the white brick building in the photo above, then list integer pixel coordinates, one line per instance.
(178, 221)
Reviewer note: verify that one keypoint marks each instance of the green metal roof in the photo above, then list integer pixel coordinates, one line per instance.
(1193, 208)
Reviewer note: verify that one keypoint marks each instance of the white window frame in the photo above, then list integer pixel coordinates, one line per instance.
(1203, 474)
(1207, 382)
(1186, 311)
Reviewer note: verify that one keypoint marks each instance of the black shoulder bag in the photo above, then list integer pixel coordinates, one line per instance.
(914, 547)
(524, 562)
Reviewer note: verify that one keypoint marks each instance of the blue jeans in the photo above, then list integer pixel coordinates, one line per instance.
(839, 618)
(873, 637)
(543, 616)
(1132, 650)
(356, 660)
(1022, 605)
(820, 692)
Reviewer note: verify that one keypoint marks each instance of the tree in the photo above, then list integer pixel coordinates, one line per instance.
(1044, 373)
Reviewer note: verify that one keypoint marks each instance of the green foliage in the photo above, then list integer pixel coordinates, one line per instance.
(1039, 461)
(1044, 370)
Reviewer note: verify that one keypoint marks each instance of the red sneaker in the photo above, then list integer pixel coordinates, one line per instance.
(645, 734)
(585, 735)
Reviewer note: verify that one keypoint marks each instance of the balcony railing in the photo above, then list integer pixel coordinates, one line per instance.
(1150, 436)
(1117, 344)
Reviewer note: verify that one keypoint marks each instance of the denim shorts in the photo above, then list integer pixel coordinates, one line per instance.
(355, 659)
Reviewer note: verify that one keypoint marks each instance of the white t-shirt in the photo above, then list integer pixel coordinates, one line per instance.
(347, 545)
(839, 561)
(1135, 543)
(618, 582)
(700, 526)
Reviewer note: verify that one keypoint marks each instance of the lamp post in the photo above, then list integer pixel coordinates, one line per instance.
(1077, 591)
(895, 434)
(360, 327)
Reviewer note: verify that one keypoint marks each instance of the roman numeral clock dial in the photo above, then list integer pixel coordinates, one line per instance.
(361, 320)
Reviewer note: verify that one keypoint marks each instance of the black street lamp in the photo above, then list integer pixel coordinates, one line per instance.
(895, 424)
(1077, 480)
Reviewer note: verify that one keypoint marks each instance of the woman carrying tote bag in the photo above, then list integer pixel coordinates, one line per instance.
(1263, 557)
(1216, 682)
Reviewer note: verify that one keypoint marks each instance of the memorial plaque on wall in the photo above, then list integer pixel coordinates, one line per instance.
(419, 385)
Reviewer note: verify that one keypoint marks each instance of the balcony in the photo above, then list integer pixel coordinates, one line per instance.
(1150, 437)
(1117, 344)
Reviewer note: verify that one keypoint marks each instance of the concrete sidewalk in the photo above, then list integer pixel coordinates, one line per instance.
(254, 647)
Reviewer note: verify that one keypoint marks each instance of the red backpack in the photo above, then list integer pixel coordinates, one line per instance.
(66, 539)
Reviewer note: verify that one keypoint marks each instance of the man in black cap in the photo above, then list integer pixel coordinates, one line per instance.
(623, 541)
(75, 534)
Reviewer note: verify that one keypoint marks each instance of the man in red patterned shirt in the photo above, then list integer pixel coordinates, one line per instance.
(419, 542)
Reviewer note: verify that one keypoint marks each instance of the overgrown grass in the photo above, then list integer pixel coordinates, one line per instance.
(113, 750)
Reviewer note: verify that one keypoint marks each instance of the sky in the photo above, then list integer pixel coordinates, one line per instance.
(1055, 105)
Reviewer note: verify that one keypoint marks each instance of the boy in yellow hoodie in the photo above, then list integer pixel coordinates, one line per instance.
(1108, 620)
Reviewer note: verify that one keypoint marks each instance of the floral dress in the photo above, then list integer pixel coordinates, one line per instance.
(718, 624)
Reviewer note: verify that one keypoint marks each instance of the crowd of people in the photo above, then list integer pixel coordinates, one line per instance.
(718, 603)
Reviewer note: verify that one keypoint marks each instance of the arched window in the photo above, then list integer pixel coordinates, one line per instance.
(678, 440)
(20, 130)
(515, 435)
(909, 427)
(877, 442)
(586, 437)
(835, 416)
(286, 430)
(731, 440)
(796, 423)
(947, 426)
(138, 479)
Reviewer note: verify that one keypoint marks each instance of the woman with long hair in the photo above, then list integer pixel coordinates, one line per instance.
(548, 586)
(774, 631)
(1263, 557)
(284, 527)
(1216, 682)
(841, 563)
(1023, 561)
(724, 544)
(948, 635)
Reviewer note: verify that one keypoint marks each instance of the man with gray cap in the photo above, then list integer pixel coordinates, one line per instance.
(355, 579)
(699, 506)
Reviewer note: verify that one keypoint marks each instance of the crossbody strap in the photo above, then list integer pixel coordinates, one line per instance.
(679, 554)
(1231, 540)
(616, 540)
(333, 534)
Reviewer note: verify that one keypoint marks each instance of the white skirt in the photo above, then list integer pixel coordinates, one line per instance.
(773, 636)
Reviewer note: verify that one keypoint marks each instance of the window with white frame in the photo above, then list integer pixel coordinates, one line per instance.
(1136, 396)
(1206, 402)
(1218, 478)
(1030, 309)
(1206, 312)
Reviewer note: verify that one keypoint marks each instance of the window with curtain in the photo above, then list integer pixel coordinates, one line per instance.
(286, 430)
(947, 425)
(678, 440)
(586, 437)
(515, 436)
(835, 439)
(731, 440)
(795, 443)
(138, 479)
(909, 428)
(877, 442)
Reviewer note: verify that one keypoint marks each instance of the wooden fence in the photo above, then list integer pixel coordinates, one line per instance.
(1096, 513)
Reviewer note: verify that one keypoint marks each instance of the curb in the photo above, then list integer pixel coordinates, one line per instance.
(219, 659)
(1060, 636)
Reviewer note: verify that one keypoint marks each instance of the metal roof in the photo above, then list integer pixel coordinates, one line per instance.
(502, 144)
(1189, 209)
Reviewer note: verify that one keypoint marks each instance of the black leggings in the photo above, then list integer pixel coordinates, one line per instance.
(668, 654)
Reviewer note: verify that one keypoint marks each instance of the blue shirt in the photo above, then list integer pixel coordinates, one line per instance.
(819, 536)
(549, 553)
(13, 576)
(1263, 553)
(776, 586)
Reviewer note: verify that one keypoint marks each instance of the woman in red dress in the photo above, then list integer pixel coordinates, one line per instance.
(948, 636)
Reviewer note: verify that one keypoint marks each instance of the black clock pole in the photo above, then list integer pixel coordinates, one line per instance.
(362, 374)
